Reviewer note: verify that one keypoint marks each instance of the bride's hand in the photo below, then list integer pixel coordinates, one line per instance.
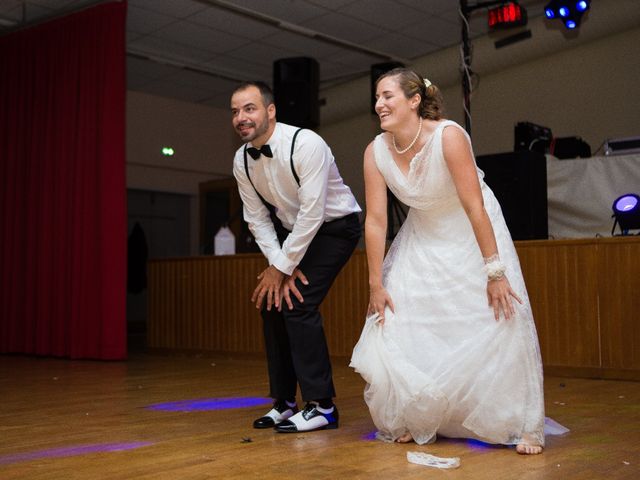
(499, 294)
(379, 298)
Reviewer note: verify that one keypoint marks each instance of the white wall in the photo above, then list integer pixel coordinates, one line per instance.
(201, 137)
(591, 90)
(203, 141)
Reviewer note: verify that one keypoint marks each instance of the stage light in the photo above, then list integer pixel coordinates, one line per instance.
(626, 212)
(569, 11)
(507, 15)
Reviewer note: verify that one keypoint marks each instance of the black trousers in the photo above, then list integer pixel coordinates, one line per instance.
(296, 346)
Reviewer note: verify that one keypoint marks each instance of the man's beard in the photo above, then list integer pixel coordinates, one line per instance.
(259, 129)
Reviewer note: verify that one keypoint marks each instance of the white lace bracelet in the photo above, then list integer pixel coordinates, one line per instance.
(494, 268)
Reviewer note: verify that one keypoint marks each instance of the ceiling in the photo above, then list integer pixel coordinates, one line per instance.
(198, 50)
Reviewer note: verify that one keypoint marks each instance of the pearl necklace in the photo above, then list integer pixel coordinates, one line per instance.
(405, 150)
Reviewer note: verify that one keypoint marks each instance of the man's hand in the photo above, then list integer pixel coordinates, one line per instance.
(269, 284)
(290, 287)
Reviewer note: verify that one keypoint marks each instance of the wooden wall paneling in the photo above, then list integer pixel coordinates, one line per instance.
(153, 278)
(169, 308)
(344, 309)
(582, 292)
(237, 318)
(161, 306)
(223, 339)
(211, 308)
(174, 315)
(582, 341)
(359, 289)
(230, 328)
(536, 275)
(619, 280)
(201, 288)
(240, 319)
(185, 315)
(222, 336)
(561, 280)
(153, 314)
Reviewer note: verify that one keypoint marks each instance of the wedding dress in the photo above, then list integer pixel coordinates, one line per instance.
(441, 364)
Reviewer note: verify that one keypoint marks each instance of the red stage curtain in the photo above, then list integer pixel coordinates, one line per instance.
(62, 187)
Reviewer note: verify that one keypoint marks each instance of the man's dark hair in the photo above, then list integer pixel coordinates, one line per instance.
(265, 90)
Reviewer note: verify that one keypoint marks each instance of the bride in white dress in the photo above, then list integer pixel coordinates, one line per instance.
(449, 346)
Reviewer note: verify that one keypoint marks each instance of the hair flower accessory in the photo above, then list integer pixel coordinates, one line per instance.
(427, 82)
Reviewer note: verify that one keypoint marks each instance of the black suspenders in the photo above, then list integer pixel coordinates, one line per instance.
(282, 232)
(293, 170)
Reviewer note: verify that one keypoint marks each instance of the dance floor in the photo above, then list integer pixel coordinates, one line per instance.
(189, 417)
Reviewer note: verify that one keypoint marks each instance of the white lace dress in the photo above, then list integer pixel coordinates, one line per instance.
(442, 364)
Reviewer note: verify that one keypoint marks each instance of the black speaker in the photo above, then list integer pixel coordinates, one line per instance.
(529, 136)
(569, 147)
(377, 70)
(296, 84)
(519, 182)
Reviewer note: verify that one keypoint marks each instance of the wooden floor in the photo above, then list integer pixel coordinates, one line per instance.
(63, 419)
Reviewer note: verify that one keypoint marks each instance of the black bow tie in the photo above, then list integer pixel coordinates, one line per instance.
(264, 150)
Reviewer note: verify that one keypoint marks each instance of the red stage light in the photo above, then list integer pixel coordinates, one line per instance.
(507, 15)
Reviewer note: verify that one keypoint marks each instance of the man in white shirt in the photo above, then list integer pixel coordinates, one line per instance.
(305, 221)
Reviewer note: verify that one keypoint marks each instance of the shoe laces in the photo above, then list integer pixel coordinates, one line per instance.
(281, 406)
(309, 406)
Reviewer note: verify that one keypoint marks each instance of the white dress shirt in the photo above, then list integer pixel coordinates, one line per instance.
(321, 196)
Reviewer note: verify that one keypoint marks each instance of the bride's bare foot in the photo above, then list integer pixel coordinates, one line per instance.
(406, 438)
(528, 449)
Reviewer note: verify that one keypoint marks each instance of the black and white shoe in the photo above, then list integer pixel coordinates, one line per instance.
(278, 414)
(312, 417)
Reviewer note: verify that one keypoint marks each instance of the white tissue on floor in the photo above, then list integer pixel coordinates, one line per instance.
(421, 458)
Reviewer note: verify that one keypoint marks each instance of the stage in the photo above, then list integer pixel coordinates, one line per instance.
(189, 417)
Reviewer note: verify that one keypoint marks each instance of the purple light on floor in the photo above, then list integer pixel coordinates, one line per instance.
(70, 451)
(369, 436)
(207, 404)
(478, 445)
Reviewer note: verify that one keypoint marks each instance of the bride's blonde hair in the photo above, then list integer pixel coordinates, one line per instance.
(431, 102)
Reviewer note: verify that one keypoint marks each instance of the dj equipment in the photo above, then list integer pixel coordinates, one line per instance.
(529, 136)
(620, 146)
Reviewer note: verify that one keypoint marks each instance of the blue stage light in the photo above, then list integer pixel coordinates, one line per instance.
(625, 203)
(569, 11)
(626, 211)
